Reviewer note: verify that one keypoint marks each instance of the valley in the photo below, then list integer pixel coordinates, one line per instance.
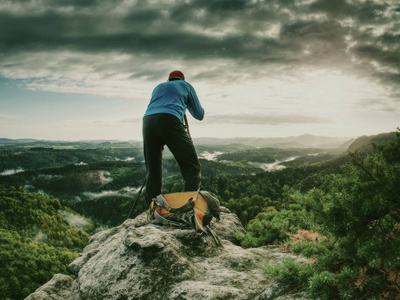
(90, 186)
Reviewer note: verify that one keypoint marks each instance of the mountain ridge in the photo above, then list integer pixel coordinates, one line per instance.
(367, 140)
(301, 141)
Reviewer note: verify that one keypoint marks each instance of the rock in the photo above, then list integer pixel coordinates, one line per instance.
(58, 288)
(137, 260)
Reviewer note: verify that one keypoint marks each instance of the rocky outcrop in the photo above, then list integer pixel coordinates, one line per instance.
(137, 260)
(58, 288)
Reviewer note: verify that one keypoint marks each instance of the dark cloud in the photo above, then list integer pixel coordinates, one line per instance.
(245, 34)
(375, 104)
(337, 7)
(302, 35)
(365, 12)
(390, 77)
(372, 13)
(140, 17)
(221, 6)
(377, 54)
(59, 32)
(390, 39)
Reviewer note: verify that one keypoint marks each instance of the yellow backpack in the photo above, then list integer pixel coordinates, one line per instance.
(187, 209)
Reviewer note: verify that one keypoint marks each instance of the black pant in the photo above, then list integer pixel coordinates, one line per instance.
(166, 129)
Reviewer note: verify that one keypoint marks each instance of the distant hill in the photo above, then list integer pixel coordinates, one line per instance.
(99, 141)
(288, 145)
(222, 148)
(301, 141)
(8, 141)
(365, 141)
(346, 144)
(17, 141)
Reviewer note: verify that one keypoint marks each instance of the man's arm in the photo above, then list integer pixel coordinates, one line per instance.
(194, 105)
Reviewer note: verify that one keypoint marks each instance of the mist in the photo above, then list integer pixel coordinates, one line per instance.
(74, 219)
(11, 172)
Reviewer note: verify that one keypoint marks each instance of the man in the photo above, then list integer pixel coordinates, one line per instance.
(163, 125)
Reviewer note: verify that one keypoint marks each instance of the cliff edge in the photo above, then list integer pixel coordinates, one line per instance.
(138, 260)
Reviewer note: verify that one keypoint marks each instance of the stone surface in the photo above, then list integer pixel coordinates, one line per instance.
(58, 288)
(137, 260)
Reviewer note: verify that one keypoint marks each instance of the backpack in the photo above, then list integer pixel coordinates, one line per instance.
(187, 209)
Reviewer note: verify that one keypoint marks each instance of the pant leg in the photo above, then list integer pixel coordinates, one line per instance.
(153, 147)
(181, 146)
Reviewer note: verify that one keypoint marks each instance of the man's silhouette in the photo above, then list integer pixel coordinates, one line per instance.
(163, 125)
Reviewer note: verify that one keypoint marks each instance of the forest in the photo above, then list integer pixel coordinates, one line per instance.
(339, 208)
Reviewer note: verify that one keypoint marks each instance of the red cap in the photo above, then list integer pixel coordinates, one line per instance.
(176, 74)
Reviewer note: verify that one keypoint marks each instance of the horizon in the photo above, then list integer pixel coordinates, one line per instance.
(79, 71)
(195, 138)
(201, 137)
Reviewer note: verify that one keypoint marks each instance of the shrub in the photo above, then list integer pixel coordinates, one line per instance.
(274, 226)
(359, 211)
(292, 274)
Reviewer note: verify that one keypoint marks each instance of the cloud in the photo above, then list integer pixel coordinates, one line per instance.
(385, 58)
(74, 219)
(275, 166)
(125, 192)
(59, 32)
(40, 236)
(257, 119)
(104, 177)
(105, 46)
(8, 117)
(375, 104)
(210, 156)
(11, 172)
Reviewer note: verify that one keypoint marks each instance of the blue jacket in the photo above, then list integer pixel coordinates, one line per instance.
(173, 97)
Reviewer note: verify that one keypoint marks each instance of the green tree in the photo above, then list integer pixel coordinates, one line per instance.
(359, 213)
(25, 265)
(36, 241)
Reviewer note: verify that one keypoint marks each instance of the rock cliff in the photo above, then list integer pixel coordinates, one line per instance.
(137, 260)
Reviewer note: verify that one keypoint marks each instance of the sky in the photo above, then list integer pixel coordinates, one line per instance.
(85, 69)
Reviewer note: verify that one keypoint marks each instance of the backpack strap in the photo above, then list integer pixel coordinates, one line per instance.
(213, 204)
(193, 200)
(162, 220)
(160, 201)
